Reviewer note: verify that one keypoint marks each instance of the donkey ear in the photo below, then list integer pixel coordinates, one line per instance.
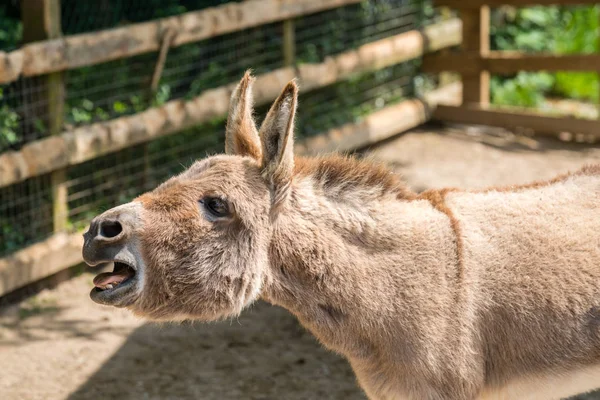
(277, 136)
(241, 136)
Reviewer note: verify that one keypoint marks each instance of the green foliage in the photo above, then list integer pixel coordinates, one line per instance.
(580, 36)
(214, 73)
(526, 29)
(11, 30)
(85, 111)
(9, 123)
(560, 30)
(525, 90)
(12, 239)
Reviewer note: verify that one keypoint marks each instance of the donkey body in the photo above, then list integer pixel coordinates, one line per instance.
(450, 294)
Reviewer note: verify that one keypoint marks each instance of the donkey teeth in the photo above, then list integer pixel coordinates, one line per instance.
(109, 286)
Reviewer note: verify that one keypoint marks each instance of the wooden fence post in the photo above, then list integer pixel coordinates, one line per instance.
(41, 21)
(476, 39)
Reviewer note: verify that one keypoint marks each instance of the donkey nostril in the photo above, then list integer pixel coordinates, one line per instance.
(110, 229)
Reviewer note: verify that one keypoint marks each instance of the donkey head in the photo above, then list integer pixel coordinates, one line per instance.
(197, 246)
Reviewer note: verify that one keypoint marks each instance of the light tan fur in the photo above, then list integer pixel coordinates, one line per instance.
(448, 295)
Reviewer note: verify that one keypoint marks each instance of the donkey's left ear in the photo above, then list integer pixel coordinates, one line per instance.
(241, 136)
(277, 137)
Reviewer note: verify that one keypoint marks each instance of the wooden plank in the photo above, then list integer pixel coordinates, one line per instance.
(476, 38)
(506, 63)
(541, 124)
(62, 251)
(475, 4)
(39, 261)
(107, 45)
(94, 140)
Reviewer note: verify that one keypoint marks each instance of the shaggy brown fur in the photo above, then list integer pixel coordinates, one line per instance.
(489, 294)
(334, 170)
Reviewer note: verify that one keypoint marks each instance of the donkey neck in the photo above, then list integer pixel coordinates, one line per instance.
(353, 259)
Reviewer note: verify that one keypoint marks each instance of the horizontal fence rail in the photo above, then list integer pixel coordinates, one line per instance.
(506, 63)
(474, 4)
(93, 48)
(92, 141)
(513, 119)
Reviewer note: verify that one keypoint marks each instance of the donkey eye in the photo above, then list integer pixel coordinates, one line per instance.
(215, 206)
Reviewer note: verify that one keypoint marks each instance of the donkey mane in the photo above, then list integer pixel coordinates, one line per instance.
(348, 173)
(437, 195)
(588, 170)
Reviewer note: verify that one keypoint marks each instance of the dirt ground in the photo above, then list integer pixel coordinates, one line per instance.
(60, 345)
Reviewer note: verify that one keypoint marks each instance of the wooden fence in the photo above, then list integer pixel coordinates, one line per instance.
(49, 55)
(475, 62)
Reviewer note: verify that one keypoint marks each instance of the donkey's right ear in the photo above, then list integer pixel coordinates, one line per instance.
(241, 135)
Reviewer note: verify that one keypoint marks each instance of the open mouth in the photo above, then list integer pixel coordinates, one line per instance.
(116, 288)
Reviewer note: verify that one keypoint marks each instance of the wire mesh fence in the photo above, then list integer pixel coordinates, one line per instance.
(117, 88)
(122, 87)
(335, 31)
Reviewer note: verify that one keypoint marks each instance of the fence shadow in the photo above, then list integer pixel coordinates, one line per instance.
(265, 354)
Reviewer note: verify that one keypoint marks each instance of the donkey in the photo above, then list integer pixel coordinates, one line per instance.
(449, 294)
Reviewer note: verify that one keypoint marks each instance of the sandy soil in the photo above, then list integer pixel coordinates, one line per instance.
(60, 345)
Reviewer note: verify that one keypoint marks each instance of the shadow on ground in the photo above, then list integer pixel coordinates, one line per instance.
(265, 354)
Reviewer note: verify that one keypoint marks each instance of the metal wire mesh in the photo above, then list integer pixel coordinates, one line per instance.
(332, 32)
(347, 102)
(25, 213)
(121, 87)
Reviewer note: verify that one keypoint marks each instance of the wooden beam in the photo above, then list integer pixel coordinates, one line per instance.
(476, 39)
(475, 4)
(541, 124)
(97, 47)
(39, 261)
(94, 140)
(506, 63)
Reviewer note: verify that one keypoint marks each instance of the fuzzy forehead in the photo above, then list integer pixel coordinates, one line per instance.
(233, 177)
(221, 170)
